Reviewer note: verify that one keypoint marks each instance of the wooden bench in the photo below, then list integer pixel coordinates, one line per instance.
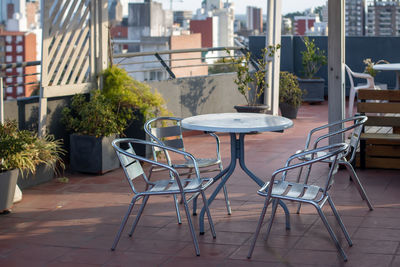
(380, 139)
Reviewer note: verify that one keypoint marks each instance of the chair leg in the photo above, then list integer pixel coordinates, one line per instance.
(260, 221)
(331, 233)
(139, 215)
(123, 223)
(195, 243)
(339, 220)
(178, 214)
(358, 184)
(208, 214)
(228, 204)
(274, 207)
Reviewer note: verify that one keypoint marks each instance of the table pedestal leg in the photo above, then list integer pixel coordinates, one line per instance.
(237, 153)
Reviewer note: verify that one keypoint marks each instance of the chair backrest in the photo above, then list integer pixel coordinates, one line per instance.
(354, 131)
(350, 74)
(166, 131)
(131, 163)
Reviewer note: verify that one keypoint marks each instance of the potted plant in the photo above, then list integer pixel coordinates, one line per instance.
(93, 124)
(290, 95)
(312, 60)
(133, 101)
(369, 66)
(22, 152)
(251, 83)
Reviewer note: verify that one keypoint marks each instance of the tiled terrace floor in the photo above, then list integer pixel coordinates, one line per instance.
(74, 224)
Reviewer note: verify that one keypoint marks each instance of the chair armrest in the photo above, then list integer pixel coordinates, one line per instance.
(338, 148)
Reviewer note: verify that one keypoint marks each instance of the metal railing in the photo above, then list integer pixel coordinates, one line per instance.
(3, 86)
(171, 61)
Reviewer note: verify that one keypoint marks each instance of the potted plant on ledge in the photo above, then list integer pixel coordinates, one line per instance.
(312, 60)
(252, 84)
(21, 153)
(289, 95)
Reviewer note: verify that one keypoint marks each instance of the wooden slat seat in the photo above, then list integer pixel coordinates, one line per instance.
(380, 140)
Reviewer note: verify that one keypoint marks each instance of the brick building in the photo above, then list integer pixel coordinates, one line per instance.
(18, 47)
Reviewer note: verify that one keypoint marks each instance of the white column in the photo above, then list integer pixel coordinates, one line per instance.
(273, 37)
(336, 60)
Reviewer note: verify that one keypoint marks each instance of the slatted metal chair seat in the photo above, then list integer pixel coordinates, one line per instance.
(279, 188)
(172, 184)
(201, 162)
(168, 131)
(294, 190)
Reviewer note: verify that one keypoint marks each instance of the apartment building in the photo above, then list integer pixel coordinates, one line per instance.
(383, 18)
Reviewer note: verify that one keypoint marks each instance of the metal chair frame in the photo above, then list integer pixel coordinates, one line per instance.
(356, 129)
(280, 189)
(172, 136)
(173, 185)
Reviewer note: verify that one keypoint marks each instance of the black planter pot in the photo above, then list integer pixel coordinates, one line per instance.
(89, 154)
(288, 110)
(8, 182)
(251, 109)
(135, 130)
(313, 89)
(42, 175)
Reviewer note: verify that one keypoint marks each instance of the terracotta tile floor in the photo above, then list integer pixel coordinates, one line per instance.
(74, 224)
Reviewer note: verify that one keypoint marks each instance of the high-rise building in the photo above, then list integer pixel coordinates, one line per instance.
(355, 17)
(254, 19)
(148, 19)
(383, 18)
(183, 18)
(18, 47)
(115, 12)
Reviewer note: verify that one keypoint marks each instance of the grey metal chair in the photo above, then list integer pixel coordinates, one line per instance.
(315, 137)
(168, 131)
(171, 185)
(282, 189)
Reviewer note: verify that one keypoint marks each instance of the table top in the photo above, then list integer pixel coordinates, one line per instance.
(391, 66)
(237, 122)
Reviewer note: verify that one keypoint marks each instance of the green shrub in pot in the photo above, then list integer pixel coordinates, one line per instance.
(290, 94)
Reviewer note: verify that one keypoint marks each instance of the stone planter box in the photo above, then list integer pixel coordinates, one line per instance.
(42, 175)
(8, 182)
(89, 154)
(313, 89)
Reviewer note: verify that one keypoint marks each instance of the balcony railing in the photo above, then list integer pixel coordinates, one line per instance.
(171, 64)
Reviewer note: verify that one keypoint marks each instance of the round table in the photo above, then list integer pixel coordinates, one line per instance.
(392, 67)
(236, 124)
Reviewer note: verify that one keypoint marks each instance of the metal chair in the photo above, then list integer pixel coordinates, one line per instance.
(171, 185)
(315, 137)
(168, 131)
(281, 189)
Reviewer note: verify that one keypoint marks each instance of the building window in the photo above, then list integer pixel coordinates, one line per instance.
(8, 58)
(9, 80)
(19, 48)
(20, 80)
(19, 39)
(9, 90)
(9, 70)
(20, 90)
(8, 48)
(19, 59)
(19, 70)
(8, 39)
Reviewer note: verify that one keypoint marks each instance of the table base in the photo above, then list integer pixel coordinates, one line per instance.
(237, 153)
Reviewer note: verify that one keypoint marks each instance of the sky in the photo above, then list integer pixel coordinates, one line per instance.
(240, 5)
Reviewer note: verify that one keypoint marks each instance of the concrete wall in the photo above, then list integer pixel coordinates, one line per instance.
(200, 95)
(185, 97)
(357, 49)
